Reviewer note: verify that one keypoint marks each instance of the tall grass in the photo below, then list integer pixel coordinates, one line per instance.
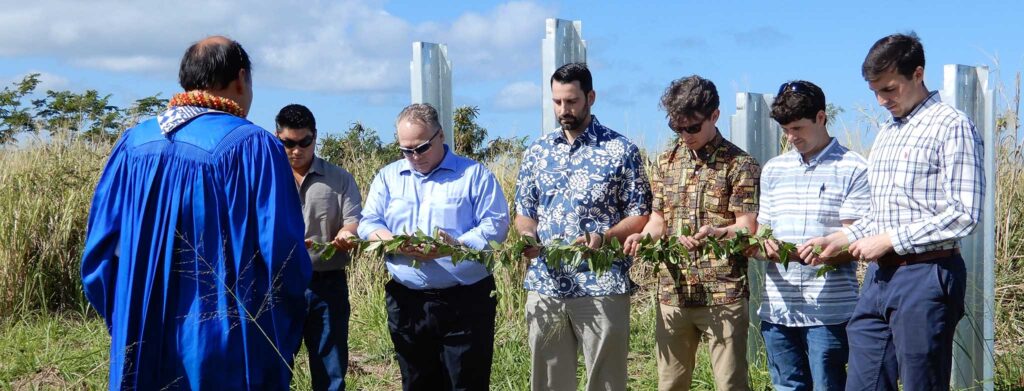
(45, 194)
(46, 187)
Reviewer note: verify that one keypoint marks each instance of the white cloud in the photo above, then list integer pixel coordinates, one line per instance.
(519, 96)
(47, 81)
(139, 63)
(337, 46)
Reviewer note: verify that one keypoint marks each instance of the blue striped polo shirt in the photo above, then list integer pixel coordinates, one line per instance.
(801, 200)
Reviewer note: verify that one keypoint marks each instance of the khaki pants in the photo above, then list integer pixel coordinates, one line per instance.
(679, 332)
(559, 328)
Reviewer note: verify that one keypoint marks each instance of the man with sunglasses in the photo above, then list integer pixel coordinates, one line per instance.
(927, 185)
(704, 186)
(330, 208)
(440, 315)
(581, 183)
(815, 189)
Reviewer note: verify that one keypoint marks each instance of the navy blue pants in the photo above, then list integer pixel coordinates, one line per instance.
(326, 330)
(444, 338)
(902, 328)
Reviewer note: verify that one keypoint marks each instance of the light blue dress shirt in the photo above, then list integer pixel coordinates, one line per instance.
(460, 196)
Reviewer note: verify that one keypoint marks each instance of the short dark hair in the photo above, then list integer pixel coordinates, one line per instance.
(798, 99)
(212, 66)
(902, 52)
(689, 96)
(422, 113)
(574, 71)
(295, 116)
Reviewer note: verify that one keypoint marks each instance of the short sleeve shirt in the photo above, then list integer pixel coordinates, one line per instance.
(586, 186)
(704, 187)
(330, 200)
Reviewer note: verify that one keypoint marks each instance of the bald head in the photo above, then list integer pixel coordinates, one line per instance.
(212, 64)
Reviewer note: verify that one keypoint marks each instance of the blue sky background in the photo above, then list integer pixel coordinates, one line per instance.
(349, 60)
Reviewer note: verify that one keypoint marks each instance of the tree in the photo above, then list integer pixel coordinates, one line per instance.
(15, 118)
(358, 142)
(88, 114)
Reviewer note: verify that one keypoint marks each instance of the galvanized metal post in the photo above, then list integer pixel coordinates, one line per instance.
(563, 43)
(754, 131)
(967, 89)
(431, 73)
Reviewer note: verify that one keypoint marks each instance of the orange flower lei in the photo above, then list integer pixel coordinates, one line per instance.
(205, 99)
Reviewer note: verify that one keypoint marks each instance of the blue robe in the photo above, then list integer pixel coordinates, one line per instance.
(194, 256)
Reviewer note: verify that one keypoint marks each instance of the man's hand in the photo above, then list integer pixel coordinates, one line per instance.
(872, 247)
(418, 253)
(309, 243)
(447, 238)
(595, 242)
(708, 230)
(632, 244)
(531, 252)
(771, 249)
(343, 241)
(694, 242)
(830, 245)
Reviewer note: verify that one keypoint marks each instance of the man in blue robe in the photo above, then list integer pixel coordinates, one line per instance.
(194, 253)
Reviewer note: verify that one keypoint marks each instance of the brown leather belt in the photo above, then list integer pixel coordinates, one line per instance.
(893, 259)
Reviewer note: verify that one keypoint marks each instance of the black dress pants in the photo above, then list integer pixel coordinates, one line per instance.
(444, 338)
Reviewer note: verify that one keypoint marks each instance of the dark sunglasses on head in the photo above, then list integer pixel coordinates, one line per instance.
(692, 129)
(799, 88)
(419, 149)
(305, 142)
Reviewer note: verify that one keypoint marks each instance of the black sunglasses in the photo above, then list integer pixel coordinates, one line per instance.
(692, 129)
(793, 86)
(420, 149)
(305, 142)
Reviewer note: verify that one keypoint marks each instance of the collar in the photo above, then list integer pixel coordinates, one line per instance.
(817, 158)
(590, 133)
(317, 166)
(447, 163)
(176, 116)
(709, 151)
(931, 99)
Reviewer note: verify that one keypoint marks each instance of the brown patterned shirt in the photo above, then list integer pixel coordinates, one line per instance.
(695, 188)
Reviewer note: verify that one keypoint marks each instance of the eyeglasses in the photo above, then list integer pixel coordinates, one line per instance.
(793, 86)
(692, 129)
(420, 149)
(305, 142)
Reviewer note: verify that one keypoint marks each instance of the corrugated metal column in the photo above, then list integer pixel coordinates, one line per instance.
(431, 73)
(967, 88)
(754, 131)
(563, 43)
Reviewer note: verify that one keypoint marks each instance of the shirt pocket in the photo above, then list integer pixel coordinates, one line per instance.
(912, 169)
(451, 215)
(716, 194)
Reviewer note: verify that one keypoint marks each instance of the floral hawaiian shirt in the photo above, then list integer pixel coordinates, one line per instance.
(587, 186)
(696, 188)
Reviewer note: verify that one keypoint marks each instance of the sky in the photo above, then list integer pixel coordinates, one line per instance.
(348, 60)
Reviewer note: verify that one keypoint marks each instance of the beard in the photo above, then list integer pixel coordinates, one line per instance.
(572, 123)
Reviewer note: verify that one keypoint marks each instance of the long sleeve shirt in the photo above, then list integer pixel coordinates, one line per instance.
(460, 196)
(927, 180)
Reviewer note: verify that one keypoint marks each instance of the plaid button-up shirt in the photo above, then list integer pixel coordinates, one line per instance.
(692, 189)
(927, 180)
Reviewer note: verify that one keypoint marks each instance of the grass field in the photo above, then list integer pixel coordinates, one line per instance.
(50, 339)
